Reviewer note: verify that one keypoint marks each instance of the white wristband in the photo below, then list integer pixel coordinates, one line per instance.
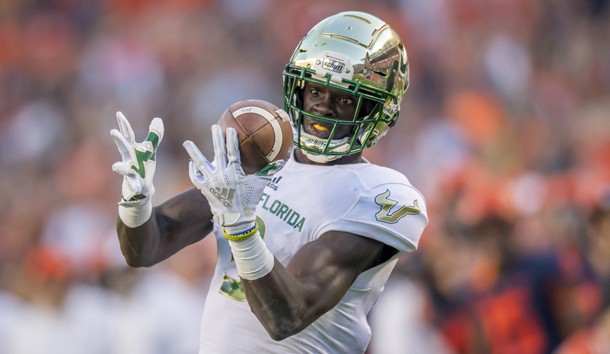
(252, 257)
(135, 215)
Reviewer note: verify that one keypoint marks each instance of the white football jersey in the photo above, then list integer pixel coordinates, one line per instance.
(299, 204)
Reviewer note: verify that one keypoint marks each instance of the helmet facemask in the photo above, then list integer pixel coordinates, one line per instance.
(365, 125)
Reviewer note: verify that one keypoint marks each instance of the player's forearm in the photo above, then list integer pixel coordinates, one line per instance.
(286, 303)
(275, 296)
(173, 225)
(140, 245)
(288, 299)
(277, 303)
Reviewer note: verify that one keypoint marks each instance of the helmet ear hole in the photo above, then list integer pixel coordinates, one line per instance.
(368, 107)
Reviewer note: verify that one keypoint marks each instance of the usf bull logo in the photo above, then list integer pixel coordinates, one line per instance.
(390, 211)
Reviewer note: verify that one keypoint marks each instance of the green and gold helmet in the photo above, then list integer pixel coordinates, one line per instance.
(357, 53)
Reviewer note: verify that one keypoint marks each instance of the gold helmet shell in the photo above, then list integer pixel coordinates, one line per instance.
(354, 52)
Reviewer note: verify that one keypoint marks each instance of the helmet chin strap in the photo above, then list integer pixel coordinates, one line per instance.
(317, 158)
(313, 142)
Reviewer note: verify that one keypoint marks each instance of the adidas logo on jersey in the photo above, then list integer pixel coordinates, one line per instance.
(225, 195)
(274, 182)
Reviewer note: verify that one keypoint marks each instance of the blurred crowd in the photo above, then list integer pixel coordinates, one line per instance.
(505, 129)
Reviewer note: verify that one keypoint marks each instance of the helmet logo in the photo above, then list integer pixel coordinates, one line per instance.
(331, 64)
(336, 65)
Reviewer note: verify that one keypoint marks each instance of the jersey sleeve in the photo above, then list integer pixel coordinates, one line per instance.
(394, 214)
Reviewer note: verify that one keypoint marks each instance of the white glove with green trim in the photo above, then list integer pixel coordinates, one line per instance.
(232, 195)
(137, 166)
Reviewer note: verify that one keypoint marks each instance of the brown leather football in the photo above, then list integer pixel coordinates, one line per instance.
(264, 132)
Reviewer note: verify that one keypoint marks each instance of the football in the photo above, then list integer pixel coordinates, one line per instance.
(264, 132)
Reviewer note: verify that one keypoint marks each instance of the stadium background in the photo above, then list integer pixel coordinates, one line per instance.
(506, 127)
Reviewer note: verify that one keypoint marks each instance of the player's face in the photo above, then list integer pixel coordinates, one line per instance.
(327, 102)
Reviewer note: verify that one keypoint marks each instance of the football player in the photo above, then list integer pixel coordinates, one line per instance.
(303, 254)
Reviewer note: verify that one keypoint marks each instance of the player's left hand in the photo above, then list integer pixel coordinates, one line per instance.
(138, 160)
(232, 194)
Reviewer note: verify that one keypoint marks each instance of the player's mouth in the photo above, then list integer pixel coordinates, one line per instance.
(317, 128)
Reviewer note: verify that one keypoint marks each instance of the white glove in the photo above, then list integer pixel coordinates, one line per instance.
(137, 167)
(232, 195)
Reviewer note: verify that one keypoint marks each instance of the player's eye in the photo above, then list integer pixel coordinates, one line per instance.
(346, 100)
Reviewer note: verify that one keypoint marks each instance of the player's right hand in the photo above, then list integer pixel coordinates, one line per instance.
(138, 160)
(232, 195)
